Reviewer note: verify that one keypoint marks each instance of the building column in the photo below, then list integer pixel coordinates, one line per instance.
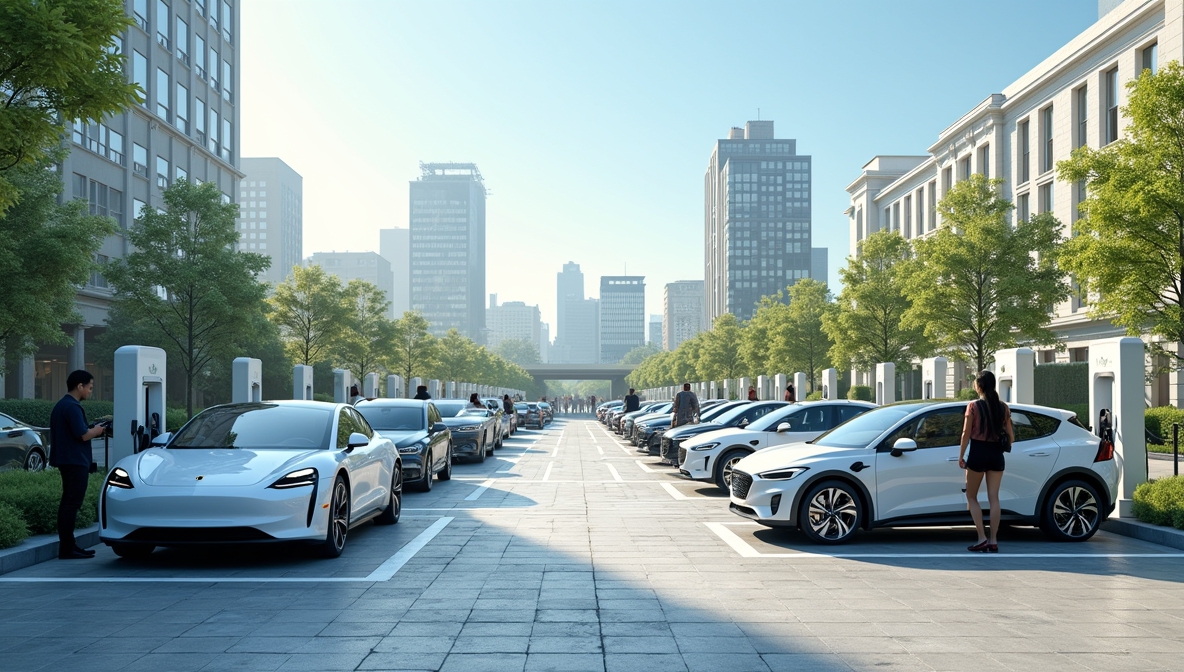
(77, 358)
(25, 378)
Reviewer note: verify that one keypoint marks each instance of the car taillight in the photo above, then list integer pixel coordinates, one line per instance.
(1105, 451)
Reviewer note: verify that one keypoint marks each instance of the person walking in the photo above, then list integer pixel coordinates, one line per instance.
(988, 432)
(70, 435)
(632, 401)
(686, 407)
(507, 405)
(421, 392)
(790, 395)
(752, 393)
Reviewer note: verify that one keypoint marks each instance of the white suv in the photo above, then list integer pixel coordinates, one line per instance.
(898, 465)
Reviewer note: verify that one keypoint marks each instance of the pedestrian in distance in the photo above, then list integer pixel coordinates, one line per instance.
(421, 392)
(686, 407)
(632, 402)
(988, 432)
(355, 395)
(790, 395)
(70, 436)
(507, 405)
(475, 401)
(752, 393)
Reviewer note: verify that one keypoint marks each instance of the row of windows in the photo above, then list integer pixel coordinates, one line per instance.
(103, 200)
(100, 139)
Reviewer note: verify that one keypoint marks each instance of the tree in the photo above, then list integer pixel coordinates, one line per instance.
(519, 351)
(310, 309)
(719, 357)
(640, 353)
(865, 323)
(1127, 250)
(756, 343)
(186, 281)
(58, 63)
(414, 352)
(979, 285)
(46, 253)
(456, 359)
(800, 344)
(367, 334)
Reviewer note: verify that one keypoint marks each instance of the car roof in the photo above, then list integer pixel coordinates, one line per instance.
(409, 403)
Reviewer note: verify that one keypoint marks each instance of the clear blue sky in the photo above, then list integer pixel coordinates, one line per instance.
(593, 122)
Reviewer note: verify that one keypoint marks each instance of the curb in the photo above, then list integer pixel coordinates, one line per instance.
(42, 547)
(1156, 534)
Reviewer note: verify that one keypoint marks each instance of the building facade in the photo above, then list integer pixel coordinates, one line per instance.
(582, 345)
(654, 335)
(369, 266)
(569, 286)
(184, 55)
(395, 246)
(682, 311)
(622, 316)
(1072, 99)
(448, 248)
(514, 321)
(271, 215)
(757, 215)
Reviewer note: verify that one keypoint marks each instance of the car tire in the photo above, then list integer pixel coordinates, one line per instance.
(724, 465)
(35, 460)
(446, 473)
(831, 512)
(338, 527)
(394, 507)
(132, 551)
(424, 484)
(480, 453)
(1071, 511)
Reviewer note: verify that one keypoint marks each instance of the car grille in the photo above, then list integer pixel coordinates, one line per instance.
(197, 535)
(741, 482)
(682, 455)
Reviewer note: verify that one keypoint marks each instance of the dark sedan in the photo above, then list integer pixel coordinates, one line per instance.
(474, 430)
(738, 416)
(22, 446)
(419, 434)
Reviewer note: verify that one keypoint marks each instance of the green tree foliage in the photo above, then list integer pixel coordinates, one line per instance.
(57, 63)
(456, 359)
(719, 356)
(980, 285)
(799, 343)
(367, 334)
(185, 281)
(519, 351)
(414, 351)
(1127, 250)
(310, 309)
(865, 324)
(46, 253)
(640, 353)
(759, 335)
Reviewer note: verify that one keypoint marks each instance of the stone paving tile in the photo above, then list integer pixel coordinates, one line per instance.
(403, 661)
(489, 662)
(642, 662)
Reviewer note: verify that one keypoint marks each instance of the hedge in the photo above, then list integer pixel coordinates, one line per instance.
(35, 497)
(12, 527)
(1161, 502)
(860, 393)
(1059, 384)
(967, 394)
(36, 412)
(814, 396)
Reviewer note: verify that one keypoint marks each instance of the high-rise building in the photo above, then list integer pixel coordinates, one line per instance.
(513, 321)
(582, 346)
(757, 219)
(655, 331)
(448, 248)
(369, 266)
(395, 246)
(682, 310)
(819, 269)
(545, 343)
(622, 316)
(271, 214)
(184, 56)
(569, 286)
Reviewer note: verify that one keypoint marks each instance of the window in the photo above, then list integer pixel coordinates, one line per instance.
(227, 143)
(1045, 198)
(921, 211)
(1028, 425)
(940, 429)
(199, 50)
(214, 68)
(1046, 139)
(888, 218)
(162, 94)
(227, 80)
(138, 208)
(1021, 208)
(182, 174)
(226, 23)
(1150, 58)
(1082, 97)
(908, 216)
(213, 143)
(182, 40)
(182, 119)
(964, 169)
(199, 120)
(984, 161)
(96, 275)
(1025, 150)
(947, 180)
(162, 172)
(859, 224)
(162, 24)
(139, 159)
(895, 216)
(1111, 106)
(140, 73)
(933, 205)
(140, 12)
(79, 182)
(201, 7)
(1080, 196)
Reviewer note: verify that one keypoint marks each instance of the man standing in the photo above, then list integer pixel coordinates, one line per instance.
(686, 407)
(69, 436)
(421, 392)
(632, 402)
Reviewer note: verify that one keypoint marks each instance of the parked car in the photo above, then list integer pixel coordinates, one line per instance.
(423, 440)
(534, 415)
(254, 472)
(548, 412)
(617, 418)
(740, 415)
(603, 410)
(474, 430)
(713, 455)
(503, 423)
(23, 446)
(521, 408)
(898, 465)
(629, 420)
(648, 433)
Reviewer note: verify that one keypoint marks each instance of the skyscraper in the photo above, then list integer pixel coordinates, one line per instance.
(757, 219)
(369, 266)
(271, 214)
(395, 246)
(569, 287)
(513, 321)
(622, 316)
(655, 331)
(582, 345)
(448, 248)
(682, 310)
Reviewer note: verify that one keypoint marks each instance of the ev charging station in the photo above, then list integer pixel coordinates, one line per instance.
(1117, 380)
(413, 385)
(933, 377)
(139, 415)
(246, 374)
(1015, 372)
(342, 380)
(799, 386)
(885, 383)
(762, 388)
(302, 382)
(435, 389)
(780, 382)
(394, 387)
(370, 386)
(450, 390)
(830, 383)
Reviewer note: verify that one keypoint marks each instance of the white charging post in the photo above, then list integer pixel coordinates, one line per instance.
(302, 382)
(370, 386)
(139, 415)
(799, 386)
(933, 378)
(342, 380)
(1117, 379)
(885, 383)
(246, 375)
(1015, 372)
(830, 383)
(394, 387)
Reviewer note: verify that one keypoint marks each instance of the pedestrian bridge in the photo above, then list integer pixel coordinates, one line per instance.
(614, 373)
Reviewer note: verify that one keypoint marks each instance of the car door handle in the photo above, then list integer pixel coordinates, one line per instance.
(1041, 454)
(952, 459)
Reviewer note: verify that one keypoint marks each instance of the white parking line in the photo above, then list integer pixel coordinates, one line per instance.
(600, 450)
(555, 453)
(547, 473)
(393, 564)
(625, 450)
(479, 491)
(643, 467)
(616, 476)
(674, 492)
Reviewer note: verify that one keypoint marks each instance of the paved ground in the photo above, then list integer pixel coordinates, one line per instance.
(568, 552)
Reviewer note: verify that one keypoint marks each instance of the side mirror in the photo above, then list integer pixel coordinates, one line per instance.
(743, 423)
(358, 439)
(160, 441)
(439, 427)
(783, 428)
(903, 446)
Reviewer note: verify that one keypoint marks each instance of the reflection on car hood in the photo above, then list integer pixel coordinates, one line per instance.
(691, 430)
(724, 435)
(464, 420)
(226, 466)
(403, 437)
(792, 455)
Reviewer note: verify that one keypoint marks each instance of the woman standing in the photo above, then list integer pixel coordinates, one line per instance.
(790, 396)
(752, 393)
(987, 421)
(475, 401)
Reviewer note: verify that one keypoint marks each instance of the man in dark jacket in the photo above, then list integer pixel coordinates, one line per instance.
(70, 436)
(421, 392)
(632, 402)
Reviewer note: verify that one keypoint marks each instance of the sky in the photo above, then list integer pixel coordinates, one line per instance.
(593, 122)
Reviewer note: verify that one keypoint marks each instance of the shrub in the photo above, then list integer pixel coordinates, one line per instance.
(860, 393)
(322, 396)
(12, 527)
(1159, 420)
(814, 396)
(174, 418)
(36, 495)
(967, 394)
(1161, 502)
(36, 411)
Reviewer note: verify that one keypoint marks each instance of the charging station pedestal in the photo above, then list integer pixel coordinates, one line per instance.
(1117, 380)
(450, 390)
(830, 383)
(780, 382)
(885, 383)
(302, 382)
(1015, 372)
(933, 378)
(139, 415)
(394, 387)
(799, 386)
(435, 389)
(246, 374)
(370, 387)
(342, 380)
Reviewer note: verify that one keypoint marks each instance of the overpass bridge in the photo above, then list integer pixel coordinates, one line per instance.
(614, 373)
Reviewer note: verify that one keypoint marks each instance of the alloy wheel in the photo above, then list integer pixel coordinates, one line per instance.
(340, 515)
(1075, 512)
(833, 514)
(35, 461)
(729, 467)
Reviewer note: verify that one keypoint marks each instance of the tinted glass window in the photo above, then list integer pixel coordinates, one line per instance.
(449, 408)
(433, 414)
(392, 418)
(6, 422)
(360, 423)
(771, 420)
(940, 429)
(863, 429)
(345, 427)
(1028, 425)
(813, 418)
(256, 426)
(751, 413)
(716, 412)
(848, 411)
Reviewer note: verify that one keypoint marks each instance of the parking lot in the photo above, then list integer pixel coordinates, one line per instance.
(570, 551)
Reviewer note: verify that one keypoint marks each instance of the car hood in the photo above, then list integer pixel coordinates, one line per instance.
(223, 466)
(403, 437)
(462, 421)
(795, 454)
(692, 430)
(730, 435)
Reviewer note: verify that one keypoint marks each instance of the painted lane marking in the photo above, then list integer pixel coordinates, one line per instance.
(644, 467)
(555, 453)
(616, 476)
(674, 491)
(393, 564)
(547, 473)
(479, 491)
(625, 450)
(600, 450)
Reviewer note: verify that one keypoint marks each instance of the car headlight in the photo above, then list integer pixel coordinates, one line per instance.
(706, 446)
(296, 479)
(119, 478)
(469, 428)
(414, 448)
(782, 474)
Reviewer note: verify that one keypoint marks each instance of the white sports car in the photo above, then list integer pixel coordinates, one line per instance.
(254, 472)
(898, 465)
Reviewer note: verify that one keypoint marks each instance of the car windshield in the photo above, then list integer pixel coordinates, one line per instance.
(732, 414)
(258, 427)
(769, 421)
(520, 406)
(450, 407)
(860, 431)
(392, 418)
(480, 412)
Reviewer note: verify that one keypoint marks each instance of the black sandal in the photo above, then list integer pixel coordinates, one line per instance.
(980, 547)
